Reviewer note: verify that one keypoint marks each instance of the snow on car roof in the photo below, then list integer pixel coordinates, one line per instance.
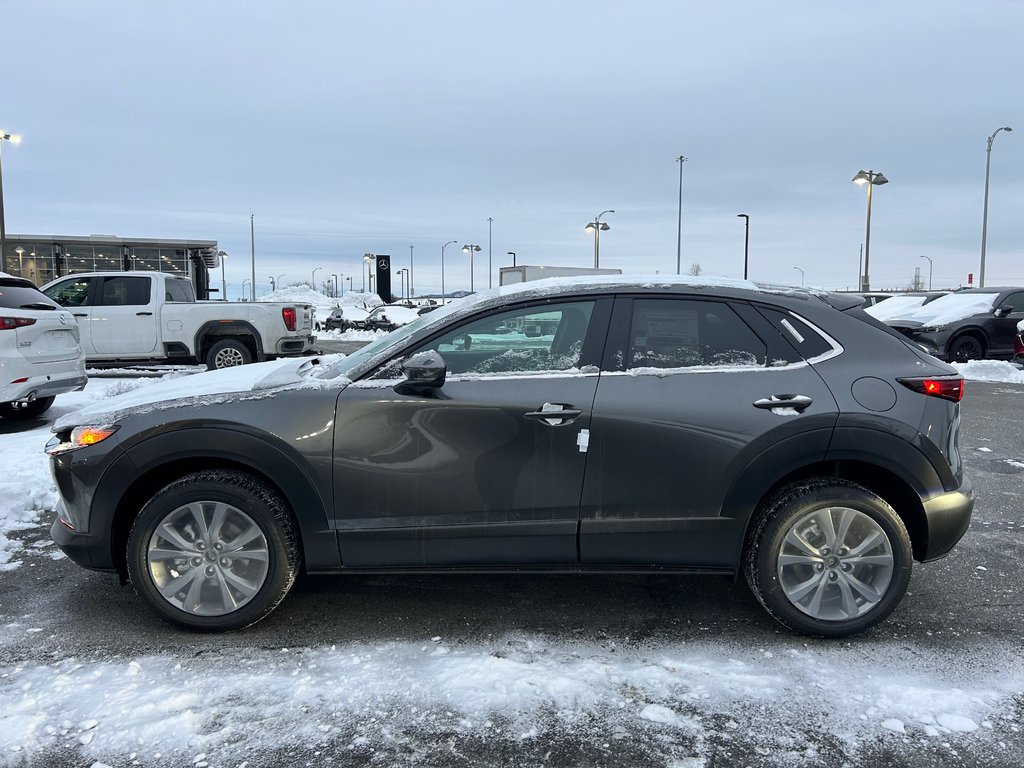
(951, 308)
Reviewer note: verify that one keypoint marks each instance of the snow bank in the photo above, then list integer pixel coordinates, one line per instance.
(990, 370)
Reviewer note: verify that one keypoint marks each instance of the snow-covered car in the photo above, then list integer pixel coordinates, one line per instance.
(387, 318)
(971, 324)
(40, 354)
(901, 304)
(345, 318)
(667, 425)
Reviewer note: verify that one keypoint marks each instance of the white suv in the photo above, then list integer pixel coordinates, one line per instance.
(40, 356)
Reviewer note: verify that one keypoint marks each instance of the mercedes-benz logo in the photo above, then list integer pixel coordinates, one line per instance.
(382, 264)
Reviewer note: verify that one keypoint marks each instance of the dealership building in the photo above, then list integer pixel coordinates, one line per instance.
(42, 258)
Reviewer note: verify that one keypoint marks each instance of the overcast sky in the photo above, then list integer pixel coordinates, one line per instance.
(368, 127)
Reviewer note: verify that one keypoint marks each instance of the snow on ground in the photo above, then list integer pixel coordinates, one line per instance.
(352, 335)
(998, 371)
(382, 701)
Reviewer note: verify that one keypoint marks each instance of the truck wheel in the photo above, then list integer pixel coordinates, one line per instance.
(24, 409)
(227, 353)
(828, 558)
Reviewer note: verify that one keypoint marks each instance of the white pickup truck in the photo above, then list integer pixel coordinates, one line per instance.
(136, 317)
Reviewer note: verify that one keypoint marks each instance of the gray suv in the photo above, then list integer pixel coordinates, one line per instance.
(651, 426)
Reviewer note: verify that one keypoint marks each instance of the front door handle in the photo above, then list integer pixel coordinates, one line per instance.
(798, 402)
(555, 414)
(80, 314)
(143, 314)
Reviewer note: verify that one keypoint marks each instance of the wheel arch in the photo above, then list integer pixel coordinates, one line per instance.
(975, 331)
(211, 332)
(153, 463)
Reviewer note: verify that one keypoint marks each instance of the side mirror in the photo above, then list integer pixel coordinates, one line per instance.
(424, 373)
(1003, 311)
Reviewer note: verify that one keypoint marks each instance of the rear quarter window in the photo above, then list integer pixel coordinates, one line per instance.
(805, 339)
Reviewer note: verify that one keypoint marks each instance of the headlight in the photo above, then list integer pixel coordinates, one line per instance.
(80, 437)
(935, 329)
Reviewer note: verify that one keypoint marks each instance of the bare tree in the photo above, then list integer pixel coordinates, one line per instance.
(695, 269)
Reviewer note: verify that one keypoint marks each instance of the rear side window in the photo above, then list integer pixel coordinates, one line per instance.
(807, 341)
(682, 333)
(124, 291)
(20, 294)
(179, 290)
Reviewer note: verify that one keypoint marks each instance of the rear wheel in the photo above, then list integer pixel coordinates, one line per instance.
(963, 349)
(828, 557)
(227, 353)
(25, 409)
(213, 551)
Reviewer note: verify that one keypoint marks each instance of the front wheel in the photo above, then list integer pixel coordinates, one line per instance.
(966, 348)
(227, 353)
(21, 410)
(216, 550)
(828, 558)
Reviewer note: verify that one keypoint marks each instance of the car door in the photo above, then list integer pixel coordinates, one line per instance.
(123, 319)
(73, 294)
(486, 471)
(689, 396)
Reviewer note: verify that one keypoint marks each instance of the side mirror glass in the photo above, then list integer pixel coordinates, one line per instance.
(424, 372)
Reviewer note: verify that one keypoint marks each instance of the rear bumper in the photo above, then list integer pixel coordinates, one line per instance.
(949, 517)
(61, 378)
(295, 345)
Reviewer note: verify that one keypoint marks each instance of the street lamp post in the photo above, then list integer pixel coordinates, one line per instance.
(223, 274)
(273, 284)
(801, 276)
(247, 280)
(312, 283)
(746, 242)
(472, 249)
(984, 215)
(252, 242)
(335, 285)
(450, 242)
(14, 139)
(872, 179)
(513, 255)
(679, 221)
(279, 277)
(596, 226)
(367, 259)
(410, 272)
(401, 276)
(349, 284)
(930, 265)
(490, 265)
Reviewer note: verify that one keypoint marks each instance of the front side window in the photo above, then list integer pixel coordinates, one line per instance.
(682, 333)
(124, 291)
(71, 293)
(1015, 300)
(526, 340)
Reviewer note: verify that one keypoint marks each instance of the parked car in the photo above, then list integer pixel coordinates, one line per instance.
(141, 317)
(387, 318)
(900, 304)
(966, 325)
(345, 318)
(1018, 343)
(659, 426)
(40, 356)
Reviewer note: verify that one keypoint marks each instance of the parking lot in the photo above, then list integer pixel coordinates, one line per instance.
(528, 669)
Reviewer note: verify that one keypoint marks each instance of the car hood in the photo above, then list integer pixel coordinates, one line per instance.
(244, 382)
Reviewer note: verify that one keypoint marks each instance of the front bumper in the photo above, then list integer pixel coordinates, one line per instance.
(949, 517)
(83, 548)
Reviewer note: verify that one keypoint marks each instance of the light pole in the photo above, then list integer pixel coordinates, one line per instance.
(402, 273)
(223, 274)
(252, 242)
(872, 179)
(930, 265)
(490, 266)
(273, 284)
(746, 241)
(367, 259)
(14, 139)
(513, 255)
(349, 284)
(410, 272)
(471, 249)
(450, 242)
(247, 280)
(312, 282)
(335, 285)
(984, 215)
(801, 276)
(596, 226)
(679, 221)
(279, 279)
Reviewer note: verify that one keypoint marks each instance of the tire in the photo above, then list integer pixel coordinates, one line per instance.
(227, 353)
(966, 348)
(816, 590)
(22, 410)
(218, 588)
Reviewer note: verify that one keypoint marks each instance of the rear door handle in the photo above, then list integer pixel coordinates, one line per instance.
(799, 402)
(80, 314)
(555, 414)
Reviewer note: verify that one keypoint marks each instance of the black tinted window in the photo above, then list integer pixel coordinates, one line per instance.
(124, 291)
(17, 294)
(1015, 300)
(179, 290)
(680, 333)
(808, 342)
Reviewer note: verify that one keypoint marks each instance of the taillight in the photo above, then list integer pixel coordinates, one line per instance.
(15, 322)
(1018, 345)
(948, 388)
(288, 313)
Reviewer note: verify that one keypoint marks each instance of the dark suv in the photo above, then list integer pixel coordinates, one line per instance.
(657, 426)
(970, 324)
